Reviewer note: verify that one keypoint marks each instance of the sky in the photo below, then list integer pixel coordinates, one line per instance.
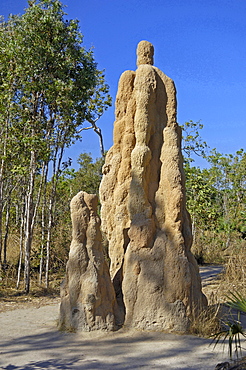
(200, 44)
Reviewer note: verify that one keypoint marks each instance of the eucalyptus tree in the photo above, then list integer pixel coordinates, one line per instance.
(10, 127)
(216, 195)
(192, 142)
(228, 173)
(55, 81)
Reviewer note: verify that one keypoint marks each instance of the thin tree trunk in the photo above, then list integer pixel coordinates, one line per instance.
(41, 261)
(56, 170)
(21, 246)
(1, 226)
(31, 216)
(44, 205)
(1, 209)
(6, 234)
(48, 244)
(97, 131)
(228, 240)
(4, 136)
(29, 221)
(193, 230)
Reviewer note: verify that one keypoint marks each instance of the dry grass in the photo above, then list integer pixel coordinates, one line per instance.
(206, 321)
(233, 279)
(235, 271)
(11, 298)
(211, 247)
(234, 276)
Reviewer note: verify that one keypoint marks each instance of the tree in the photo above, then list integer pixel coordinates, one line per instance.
(54, 86)
(216, 195)
(203, 206)
(86, 178)
(97, 104)
(192, 142)
(229, 176)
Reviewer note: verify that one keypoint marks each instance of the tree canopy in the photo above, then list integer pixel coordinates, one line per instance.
(216, 197)
(49, 87)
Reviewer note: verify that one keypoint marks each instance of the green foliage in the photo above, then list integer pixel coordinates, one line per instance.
(49, 83)
(89, 175)
(192, 142)
(216, 196)
(229, 176)
(237, 302)
(86, 178)
(232, 329)
(49, 87)
(201, 197)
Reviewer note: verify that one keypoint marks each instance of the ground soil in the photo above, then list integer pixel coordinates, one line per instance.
(30, 340)
(13, 302)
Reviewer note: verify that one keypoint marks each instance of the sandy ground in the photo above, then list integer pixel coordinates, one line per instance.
(29, 340)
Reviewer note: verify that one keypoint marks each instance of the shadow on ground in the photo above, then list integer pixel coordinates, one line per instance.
(30, 341)
(55, 350)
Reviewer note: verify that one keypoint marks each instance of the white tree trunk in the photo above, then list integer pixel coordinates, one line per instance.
(29, 222)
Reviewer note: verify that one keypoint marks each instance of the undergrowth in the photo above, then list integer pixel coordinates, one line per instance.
(206, 321)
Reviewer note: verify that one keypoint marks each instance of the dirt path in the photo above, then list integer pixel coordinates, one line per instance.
(210, 273)
(29, 340)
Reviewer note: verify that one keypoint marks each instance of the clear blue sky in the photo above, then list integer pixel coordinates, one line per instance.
(200, 44)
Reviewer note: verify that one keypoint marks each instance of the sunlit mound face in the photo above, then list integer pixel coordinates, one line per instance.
(145, 53)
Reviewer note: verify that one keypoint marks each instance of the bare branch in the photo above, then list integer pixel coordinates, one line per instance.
(98, 131)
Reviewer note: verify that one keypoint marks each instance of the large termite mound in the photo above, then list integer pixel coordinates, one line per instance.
(88, 299)
(144, 216)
